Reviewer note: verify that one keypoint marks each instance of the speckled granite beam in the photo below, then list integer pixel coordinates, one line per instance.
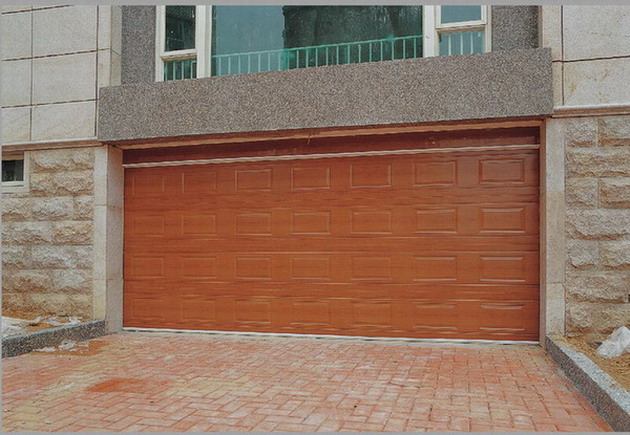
(608, 398)
(504, 84)
(23, 343)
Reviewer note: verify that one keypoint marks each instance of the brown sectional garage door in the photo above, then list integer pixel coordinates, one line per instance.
(441, 245)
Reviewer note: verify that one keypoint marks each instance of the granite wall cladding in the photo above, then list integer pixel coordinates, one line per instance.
(598, 224)
(47, 235)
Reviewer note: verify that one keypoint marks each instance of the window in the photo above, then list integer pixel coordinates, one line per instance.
(201, 41)
(14, 173)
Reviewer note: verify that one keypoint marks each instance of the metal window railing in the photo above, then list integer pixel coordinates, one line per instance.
(376, 50)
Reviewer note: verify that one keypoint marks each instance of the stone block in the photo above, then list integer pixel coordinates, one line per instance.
(83, 207)
(551, 20)
(582, 253)
(60, 183)
(582, 193)
(71, 281)
(62, 160)
(15, 36)
(16, 125)
(598, 286)
(26, 233)
(15, 209)
(62, 257)
(579, 317)
(72, 233)
(18, 256)
(614, 130)
(581, 132)
(61, 79)
(64, 121)
(26, 281)
(616, 255)
(64, 30)
(600, 318)
(615, 192)
(598, 162)
(597, 82)
(591, 32)
(52, 208)
(598, 224)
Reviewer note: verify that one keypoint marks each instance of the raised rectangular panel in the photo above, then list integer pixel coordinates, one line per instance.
(501, 171)
(199, 224)
(371, 268)
(502, 317)
(436, 221)
(370, 174)
(61, 79)
(16, 83)
(502, 220)
(199, 309)
(253, 311)
(199, 267)
(64, 121)
(310, 268)
(435, 173)
(503, 269)
(317, 222)
(143, 267)
(64, 30)
(435, 315)
(253, 268)
(377, 314)
(147, 308)
(372, 222)
(199, 183)
(147, 183)
(148, 226)
(436, 269)
(258, 224)
(16, 124)
(310, 178)
(311, 312)
(259, 179)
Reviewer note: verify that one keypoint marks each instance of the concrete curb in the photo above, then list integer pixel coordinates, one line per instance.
(609, 399)
(24, 343)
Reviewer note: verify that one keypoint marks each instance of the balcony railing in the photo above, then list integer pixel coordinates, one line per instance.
(376, 50)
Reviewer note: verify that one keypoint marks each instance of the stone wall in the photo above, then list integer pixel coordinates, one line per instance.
(597, 223)
(47, 235)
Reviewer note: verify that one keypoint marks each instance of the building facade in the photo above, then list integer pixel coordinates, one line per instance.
(431, 172)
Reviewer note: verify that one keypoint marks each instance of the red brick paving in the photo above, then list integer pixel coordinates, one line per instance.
(187, 382)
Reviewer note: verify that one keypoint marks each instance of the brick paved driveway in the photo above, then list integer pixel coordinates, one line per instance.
(184, 382)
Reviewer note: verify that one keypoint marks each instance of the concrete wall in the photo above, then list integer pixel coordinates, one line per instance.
(588, 144)
(55, 60)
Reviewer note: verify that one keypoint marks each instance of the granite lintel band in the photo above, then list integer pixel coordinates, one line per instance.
(499, 85)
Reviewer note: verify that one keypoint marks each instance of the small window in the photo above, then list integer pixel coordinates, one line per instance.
(179, 51)
(460, 14)
(461, 30)
(13, 172)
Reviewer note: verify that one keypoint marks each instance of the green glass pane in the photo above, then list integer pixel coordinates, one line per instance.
(180, 28)
(13, 170)
(462, 42)
(456, 14)
(180, 69)
(247, 39)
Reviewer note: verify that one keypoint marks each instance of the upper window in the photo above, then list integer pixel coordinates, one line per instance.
(200, 41)
(13, 174)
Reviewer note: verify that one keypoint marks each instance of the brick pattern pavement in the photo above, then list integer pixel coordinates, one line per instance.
(186, 382)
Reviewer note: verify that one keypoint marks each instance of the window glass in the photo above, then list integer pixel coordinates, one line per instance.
(461, 42)
(180, 69)
(456, 14)
(180, 28)
(13, 170)
(263, 38)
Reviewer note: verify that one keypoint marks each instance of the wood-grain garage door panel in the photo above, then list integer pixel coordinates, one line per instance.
(415, 246)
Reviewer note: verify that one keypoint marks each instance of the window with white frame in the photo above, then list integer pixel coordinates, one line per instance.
(14, 173)
(203, 41)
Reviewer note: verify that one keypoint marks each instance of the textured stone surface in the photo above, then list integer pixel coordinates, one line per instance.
(614, 131)
(62, 160)
(581, 132)
(62, 183)
(514, 27)
(598, 286)
(138, 44)
(582, 193)
(616, 255)
(598, 224)
(615, 192)
(582, 253)
(600, 162)
(514, 83)
(609, 398)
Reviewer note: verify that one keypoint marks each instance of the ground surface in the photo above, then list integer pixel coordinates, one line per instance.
(184, 382)
(618, 368)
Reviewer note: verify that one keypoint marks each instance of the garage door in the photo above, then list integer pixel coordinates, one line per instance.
(427, 245)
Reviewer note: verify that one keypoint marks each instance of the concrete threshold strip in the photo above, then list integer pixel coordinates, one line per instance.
(332, 337)
(610, 400)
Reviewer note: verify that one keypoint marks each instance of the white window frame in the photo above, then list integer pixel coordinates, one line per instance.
(17, 186)
(431, 25)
